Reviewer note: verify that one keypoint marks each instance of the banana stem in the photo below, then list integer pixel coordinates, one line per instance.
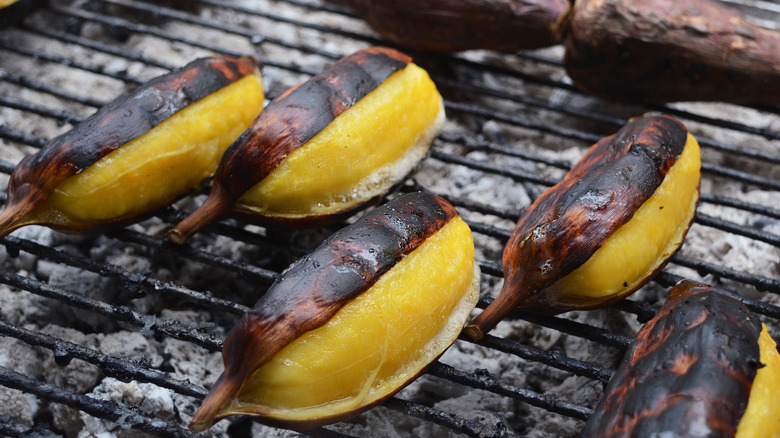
(215, 403)
(507, 300)
(215, 206)
(11, 217)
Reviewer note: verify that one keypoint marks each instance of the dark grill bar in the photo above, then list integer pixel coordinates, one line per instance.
(515, 120)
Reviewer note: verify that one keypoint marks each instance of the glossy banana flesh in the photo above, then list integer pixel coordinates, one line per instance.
(375, 344)
(138, 152)
(638, 249)
(762, 416)
(602, 232)
(153, 170)
(354, 321)
(357, 157)
(328, 147)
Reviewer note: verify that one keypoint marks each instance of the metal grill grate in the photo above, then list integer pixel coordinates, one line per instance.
(515, 125)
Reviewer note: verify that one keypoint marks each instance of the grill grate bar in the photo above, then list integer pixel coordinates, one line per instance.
(62, 116)
(121, 368)
(254, 37)
(32, 84)
(69, 62)
(148, 323)
(132, 281)
(554, 358)
(11, 428)
(99, 408)
(147, 30)
(99, 47)
(481, 379)
(472, 428)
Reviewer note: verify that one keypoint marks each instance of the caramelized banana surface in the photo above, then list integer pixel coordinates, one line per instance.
(667, 50)
(139, 152)
(332, 145)
(691, 371)
(354, 321)
(602, 197)
(451, 25)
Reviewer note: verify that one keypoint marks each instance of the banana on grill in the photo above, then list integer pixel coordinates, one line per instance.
(703, 366)
(353, 322)
(601, 233)
(451, 25)
(659, 51)
(139, 152)
(327, 147)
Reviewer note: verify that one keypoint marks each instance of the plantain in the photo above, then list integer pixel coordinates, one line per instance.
(452, 25)
(601, 233)
(328, 147)
(703, 366)
(353, 322)
(658, 51)
(139, 152)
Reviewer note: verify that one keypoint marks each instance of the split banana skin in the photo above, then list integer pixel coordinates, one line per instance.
(703, 366)
(328, 147)
(139, 152)
(353, 322)
(604, 231)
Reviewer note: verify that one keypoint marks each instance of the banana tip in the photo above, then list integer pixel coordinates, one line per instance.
(176, 236)
(474, 332)
(200, 426)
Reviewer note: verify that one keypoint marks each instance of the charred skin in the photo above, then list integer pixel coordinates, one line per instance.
(295, 123)
(571, 221)
(316, 291)
(453, 25)
(659, 51)
(690, 371)
(128, 118)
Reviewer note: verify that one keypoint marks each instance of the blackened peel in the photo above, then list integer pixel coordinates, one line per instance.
(570, 222)
(404, 271)
(690, 371)
(128, 118)
(293, 165)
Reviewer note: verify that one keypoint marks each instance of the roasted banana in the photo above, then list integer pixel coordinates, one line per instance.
(329, 146)
(139, 152)
(451, 25)
(602, 232)
(659, 51)
(704, 366)
(354, 321)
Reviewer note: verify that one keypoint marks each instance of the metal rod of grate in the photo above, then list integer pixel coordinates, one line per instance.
(450, 150)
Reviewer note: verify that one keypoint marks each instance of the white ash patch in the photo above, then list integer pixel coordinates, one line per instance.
(150, 399)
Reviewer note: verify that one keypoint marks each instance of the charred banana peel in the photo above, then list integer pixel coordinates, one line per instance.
(703, 366)
(139, 152)
(613, 222)
(450, 25)
(353, 322)
(668, 50)
(329, 146)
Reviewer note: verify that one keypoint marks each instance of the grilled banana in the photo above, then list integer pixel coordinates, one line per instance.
(451, 25)
(668, 50)
(329, 146)
(139, 152)
(703, 366)
(607, 228)
(354, 321)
